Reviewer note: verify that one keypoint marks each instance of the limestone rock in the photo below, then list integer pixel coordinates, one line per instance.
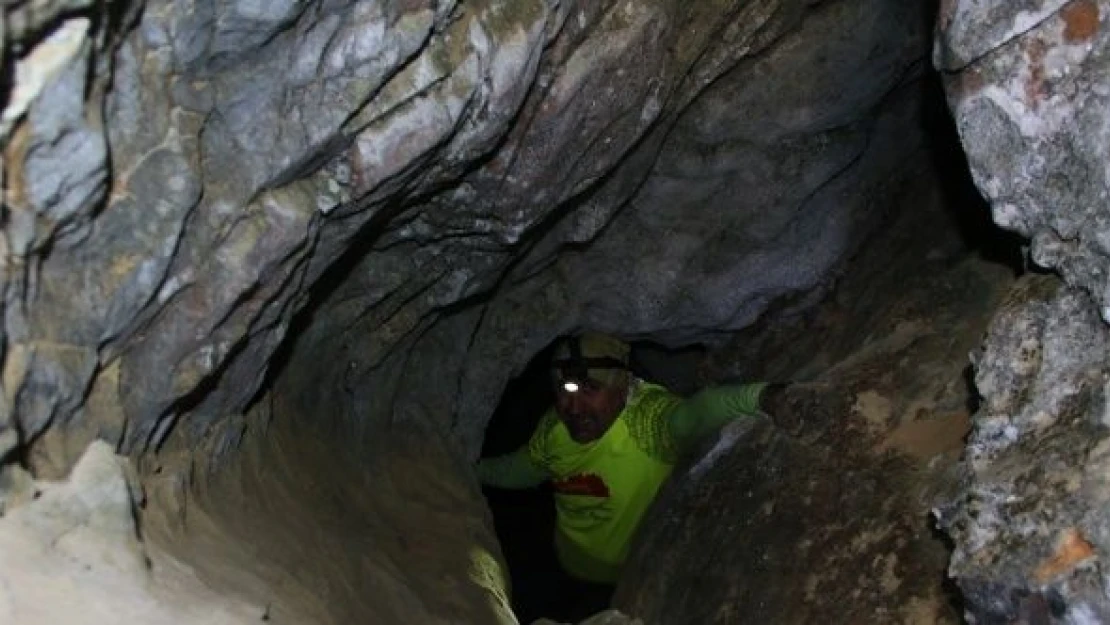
(424, 156)
(72, 555)
(1027, 84)
(764, 528)
(695, 191)
(279, 511)
(55, 175)
(1031, 525)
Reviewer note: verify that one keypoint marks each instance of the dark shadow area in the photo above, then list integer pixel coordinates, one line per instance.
(950, 590)
(973, 397)
(674, 368)
(965, 205)
(524, 520)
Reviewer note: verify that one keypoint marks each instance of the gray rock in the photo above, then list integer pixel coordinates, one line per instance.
(974, 29)
(820, 517)
(48, 383)
(1030, 108)
(1032, 519)
(1027, 86)
(441, 188)
(65, 167)
(253, 146)
(720, 253)
(55, 175)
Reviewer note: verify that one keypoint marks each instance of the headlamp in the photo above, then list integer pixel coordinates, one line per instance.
(573, 372)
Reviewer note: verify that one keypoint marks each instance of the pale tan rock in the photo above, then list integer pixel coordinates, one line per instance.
(72, 556)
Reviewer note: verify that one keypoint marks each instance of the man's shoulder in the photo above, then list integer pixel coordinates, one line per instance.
(646, 419)
(647, 400)
(546, 427)
(541, 442)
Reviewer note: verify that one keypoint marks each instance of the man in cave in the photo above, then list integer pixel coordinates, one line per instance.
(607, 445)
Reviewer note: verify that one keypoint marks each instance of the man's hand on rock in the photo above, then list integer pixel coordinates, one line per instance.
(778, 402)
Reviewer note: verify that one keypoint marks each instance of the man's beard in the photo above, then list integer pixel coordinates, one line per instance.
(585, 428)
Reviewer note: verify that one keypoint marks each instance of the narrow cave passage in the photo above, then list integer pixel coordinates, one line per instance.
(350, 521)
(524, 520)
(361, 524)
(285, 304)
(886, 408)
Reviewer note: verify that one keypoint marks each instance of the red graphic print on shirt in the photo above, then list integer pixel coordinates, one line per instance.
(586, 484)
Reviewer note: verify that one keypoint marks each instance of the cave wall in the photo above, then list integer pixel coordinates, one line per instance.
(1027, 86)
(418, 192)
(70, 552)
(697, 248)
(825, 516)
(287, 519)
(179, 177)
(423, 193)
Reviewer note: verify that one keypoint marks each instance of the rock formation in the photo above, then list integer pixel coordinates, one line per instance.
(355, 221)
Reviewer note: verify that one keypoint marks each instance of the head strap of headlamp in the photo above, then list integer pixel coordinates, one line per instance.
(576, 367)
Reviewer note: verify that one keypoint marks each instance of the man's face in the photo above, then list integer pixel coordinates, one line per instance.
(589, 411)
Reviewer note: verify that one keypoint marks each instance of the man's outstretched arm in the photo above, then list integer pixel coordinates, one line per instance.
(710, 408)
(516, 470)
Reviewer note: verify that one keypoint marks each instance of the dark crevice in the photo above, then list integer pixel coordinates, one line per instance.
(962, 200)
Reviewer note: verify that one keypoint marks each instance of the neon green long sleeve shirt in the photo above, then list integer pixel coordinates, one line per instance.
(603, 488)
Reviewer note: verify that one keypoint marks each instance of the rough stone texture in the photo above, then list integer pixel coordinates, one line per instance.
(233, 129)
(767, 529)
(443, 187)
(1030, 527)
(71, 554)
(430, 182)
(253, 147)
(824, 519)
(1027, 83)
(54, 176)
(687, 192)
(321, 529)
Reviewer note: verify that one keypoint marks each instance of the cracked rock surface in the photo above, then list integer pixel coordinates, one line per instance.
(384, 209)
(1027, 84)
(183, 179)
